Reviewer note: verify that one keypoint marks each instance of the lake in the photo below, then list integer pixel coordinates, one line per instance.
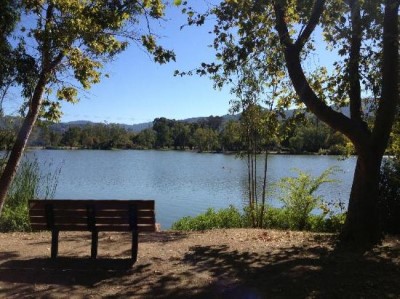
(181, 183)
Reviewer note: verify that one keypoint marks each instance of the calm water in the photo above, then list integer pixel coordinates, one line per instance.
(181, 183)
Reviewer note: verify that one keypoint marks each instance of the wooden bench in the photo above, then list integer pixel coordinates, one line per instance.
(92, 215)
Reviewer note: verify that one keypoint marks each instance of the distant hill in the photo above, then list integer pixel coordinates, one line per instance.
(63, 126)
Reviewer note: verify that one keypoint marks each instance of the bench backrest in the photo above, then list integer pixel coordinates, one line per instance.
(100, 215)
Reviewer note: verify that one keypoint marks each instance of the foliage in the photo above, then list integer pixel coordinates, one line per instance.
(145, 139)
(297, 196)
(205, 139)
(230, 137)
(394, 147)
(75, 37)
(223, 218)
(309, 135)
(274, 218)
(99, 136)
(8, 128)
(29, 183)
(389, 195)
(9, 17)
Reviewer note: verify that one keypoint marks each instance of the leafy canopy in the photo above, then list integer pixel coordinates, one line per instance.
(247, 41)
(67, 42)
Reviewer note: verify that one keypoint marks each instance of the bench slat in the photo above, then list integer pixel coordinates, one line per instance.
(83, 213)
(99, 220)
(113, 228)
(101, 204)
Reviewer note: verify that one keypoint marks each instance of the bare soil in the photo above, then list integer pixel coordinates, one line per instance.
(234, 263)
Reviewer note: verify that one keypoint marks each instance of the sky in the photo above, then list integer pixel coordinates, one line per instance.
(139, 90)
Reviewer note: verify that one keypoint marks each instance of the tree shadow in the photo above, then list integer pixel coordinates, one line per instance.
(313, 270)
(62, 274)
(64, 270)
(297, 272)
(293, 272)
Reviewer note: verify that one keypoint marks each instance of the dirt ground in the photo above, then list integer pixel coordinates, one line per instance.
(234, 263)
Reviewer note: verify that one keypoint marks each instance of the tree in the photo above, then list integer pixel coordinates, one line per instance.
(205, 139)
(230, 136)
(146, 138)
(8, 19)
(181, 135)
(69, 37)
(163, 127)
(282, 33)
(72, 137)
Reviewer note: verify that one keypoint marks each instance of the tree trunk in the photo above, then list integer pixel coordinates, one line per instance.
(20, 143)
(362, 222)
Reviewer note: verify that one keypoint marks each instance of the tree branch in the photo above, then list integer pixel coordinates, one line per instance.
(354, 62)
(390, 100)
(281, 26)
(334, 119)
(312, 23)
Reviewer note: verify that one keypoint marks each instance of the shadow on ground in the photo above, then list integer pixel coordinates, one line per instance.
(293, 272)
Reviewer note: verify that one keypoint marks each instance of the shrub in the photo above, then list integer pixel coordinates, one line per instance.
(274, 218)
(297, 196)
(223, 218)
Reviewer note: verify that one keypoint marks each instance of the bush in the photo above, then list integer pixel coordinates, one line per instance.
(297, 196)
(224, 218)
(389, 196)
(275, 218)
(29, 183)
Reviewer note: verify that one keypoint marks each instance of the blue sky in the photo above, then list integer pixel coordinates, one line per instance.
(139, 90)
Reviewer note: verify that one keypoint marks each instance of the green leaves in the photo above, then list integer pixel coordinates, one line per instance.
(68, 93)
(297, 195)
(160, 54)
(73, 37)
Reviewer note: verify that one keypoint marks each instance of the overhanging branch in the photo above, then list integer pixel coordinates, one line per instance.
(312, 23)
(334, 119)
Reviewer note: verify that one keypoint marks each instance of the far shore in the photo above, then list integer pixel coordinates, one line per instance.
(179, 150)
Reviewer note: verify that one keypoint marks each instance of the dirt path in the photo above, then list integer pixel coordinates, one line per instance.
(235, 263)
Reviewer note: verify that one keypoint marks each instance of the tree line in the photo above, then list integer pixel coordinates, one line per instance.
(210, 134)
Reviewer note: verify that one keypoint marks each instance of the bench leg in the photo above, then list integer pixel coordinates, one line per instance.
(135, 241)
(95, 239)
(54, 243)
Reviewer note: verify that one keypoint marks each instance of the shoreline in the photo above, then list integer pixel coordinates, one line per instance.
(284, 153)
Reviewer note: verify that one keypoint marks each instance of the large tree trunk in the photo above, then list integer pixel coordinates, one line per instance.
(362, 222)
(20, 143)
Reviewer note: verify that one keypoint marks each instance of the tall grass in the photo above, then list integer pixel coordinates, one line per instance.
(30, 182)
